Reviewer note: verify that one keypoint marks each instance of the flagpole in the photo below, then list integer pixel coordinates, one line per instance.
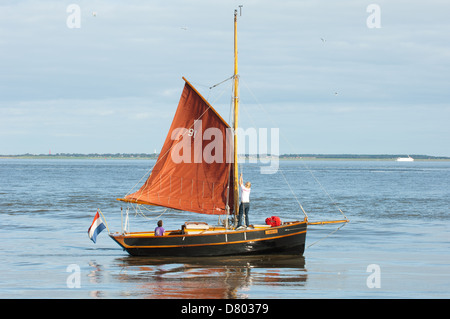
(106, 223)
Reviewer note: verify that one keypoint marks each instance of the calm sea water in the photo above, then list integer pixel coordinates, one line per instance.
(397, 244)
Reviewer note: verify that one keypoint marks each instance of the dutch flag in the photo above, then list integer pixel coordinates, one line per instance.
(96, 227)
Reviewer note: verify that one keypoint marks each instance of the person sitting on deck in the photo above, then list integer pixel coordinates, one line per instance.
(159, 231)
(244, 207)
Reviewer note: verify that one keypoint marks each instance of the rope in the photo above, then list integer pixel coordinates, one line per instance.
(326, 235)
(279, 168)
(231, 77)
(212, 87)
(289, 185)
(104, 219)
(138, 211)
(323, 188)
(291, 146)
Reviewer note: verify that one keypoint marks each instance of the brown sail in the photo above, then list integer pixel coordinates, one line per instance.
(194, 170)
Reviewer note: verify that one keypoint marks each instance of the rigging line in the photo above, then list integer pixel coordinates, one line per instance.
(291, 146)
(231, 77)
(140, 212)
(323, 188)
(104, 219)
(292, 191)
(219, 96)
(279, 168)
(231, 110)
(326, 235)
(240, 163)
(139, 181)
(243, 106)
(212, 87)
(230, 177)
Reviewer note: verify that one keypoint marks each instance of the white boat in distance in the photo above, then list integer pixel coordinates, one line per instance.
(405, 159)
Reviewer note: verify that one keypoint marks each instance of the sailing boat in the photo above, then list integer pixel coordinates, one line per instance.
(191, 175)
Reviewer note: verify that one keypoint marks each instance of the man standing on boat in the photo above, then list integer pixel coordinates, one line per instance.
(244, 207)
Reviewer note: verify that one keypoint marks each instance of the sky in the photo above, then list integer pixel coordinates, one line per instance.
(335, 77)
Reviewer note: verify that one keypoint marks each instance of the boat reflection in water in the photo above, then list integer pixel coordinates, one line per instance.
(209, 277)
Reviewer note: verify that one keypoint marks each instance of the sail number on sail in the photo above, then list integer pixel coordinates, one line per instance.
(195, 150)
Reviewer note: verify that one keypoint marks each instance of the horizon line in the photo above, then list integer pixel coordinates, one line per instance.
(323, 155)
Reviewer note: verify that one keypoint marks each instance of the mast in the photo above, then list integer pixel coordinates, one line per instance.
(235, 124)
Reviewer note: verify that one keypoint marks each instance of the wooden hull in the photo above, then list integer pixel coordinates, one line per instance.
(286, 239)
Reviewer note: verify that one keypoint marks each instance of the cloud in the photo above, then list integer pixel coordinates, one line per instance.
(124, 66)
(74, 125)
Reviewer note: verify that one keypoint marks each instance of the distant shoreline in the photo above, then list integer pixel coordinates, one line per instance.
(305, 157)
